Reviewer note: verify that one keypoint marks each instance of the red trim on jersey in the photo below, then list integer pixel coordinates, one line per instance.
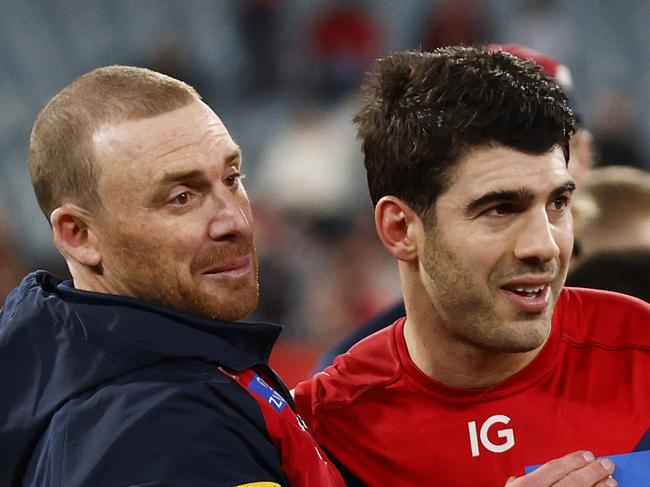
(303, 462)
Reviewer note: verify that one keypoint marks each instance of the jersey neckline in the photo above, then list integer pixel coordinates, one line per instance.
(539, 367)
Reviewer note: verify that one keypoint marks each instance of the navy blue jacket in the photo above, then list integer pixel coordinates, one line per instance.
(101, 390)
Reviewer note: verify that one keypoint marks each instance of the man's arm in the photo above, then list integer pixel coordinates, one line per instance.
(578, 469)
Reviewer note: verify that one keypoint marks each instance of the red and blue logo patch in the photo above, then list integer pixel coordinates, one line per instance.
(261, 388)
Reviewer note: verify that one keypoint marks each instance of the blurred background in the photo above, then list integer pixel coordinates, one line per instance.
(283, 74)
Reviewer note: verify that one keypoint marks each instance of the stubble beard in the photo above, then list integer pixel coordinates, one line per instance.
(151, 279)
(238, 299)
(470, 312)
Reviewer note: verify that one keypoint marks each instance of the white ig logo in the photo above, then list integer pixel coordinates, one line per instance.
(506, 434)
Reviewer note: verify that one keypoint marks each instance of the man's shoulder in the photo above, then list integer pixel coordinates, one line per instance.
(176, 415)
(370, 364)
(591, 316)
(165, 390)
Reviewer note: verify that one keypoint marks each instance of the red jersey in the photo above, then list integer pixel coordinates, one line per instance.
(388, 423)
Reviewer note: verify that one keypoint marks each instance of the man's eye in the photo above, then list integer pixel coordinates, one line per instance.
(561, 203)
(501, 210)
(182, 198)
(234, 178)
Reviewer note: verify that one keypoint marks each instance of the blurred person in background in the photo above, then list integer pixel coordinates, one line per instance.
(135, 372)
(466, 152)
(620, 217)
(614, 232)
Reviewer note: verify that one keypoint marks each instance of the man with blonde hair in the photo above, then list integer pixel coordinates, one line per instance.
(135, 372)
(620, 219)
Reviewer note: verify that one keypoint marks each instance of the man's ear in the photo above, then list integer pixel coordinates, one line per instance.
(397, 225)
(72, 235)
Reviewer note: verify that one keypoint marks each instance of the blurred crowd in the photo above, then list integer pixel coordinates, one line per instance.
(289, 93)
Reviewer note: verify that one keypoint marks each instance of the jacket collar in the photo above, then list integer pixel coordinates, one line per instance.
(139, 329)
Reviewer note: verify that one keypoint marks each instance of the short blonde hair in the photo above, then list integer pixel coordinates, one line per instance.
(620, 193)
(61, 154)
(621, 197)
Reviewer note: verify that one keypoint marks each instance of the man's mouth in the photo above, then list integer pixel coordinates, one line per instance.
(235, 268)
(529, 291)
(529, 297)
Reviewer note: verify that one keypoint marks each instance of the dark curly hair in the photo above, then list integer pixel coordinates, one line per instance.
(423, 111)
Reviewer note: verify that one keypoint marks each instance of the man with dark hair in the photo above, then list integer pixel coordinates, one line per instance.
(496, 365)
(134, 372)
(581, 155)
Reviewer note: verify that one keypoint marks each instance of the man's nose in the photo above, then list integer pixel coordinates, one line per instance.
(231, 218)
(537, 241)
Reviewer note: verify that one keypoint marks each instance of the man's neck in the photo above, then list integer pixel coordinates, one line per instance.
(86, 279)
(457, 364)
(447, 358)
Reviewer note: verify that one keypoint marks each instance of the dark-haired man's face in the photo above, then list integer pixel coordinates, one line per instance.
(496, 257)
(176, 228)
